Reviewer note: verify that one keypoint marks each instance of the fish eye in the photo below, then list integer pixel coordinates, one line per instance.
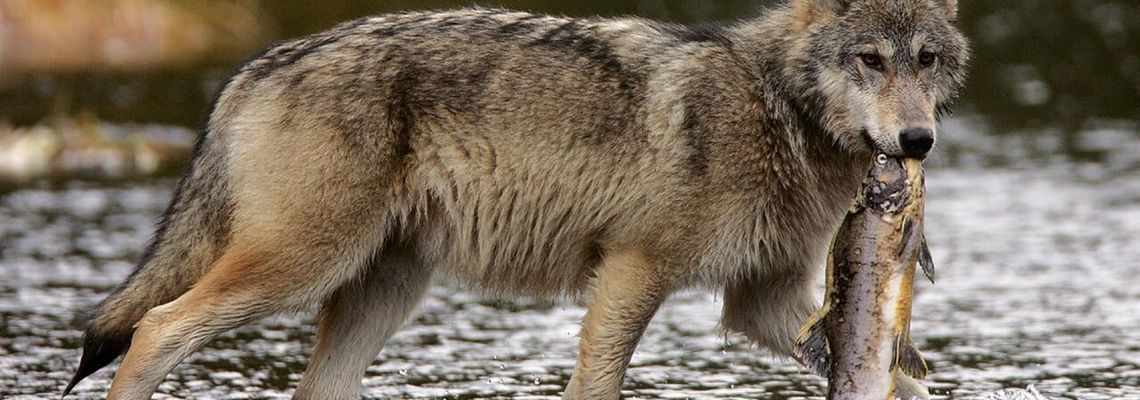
(872, 61)
(926, 58)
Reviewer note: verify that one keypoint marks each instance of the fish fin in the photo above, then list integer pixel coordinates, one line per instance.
(908, 388)
(926, 261)
(909, 359)
(907, 235)
(812, 348)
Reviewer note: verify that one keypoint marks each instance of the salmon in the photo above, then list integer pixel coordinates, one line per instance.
(860, 338)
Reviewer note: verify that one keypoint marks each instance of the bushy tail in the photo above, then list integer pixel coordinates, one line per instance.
(190, 237)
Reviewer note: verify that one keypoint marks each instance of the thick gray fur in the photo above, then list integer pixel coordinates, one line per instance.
(615, 160)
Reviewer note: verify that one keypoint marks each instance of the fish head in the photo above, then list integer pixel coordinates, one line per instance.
(891, 183)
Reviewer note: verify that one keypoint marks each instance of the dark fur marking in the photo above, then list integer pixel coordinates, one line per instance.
(456, 23)
(593, 253)
(456, 91)
(517, 28)
(574, 38)
(703, 33)
(282, 55)
(803, 87)
(256, 66)
(400, 108)
(475, 223)
(594, 250)
(561, 36)
(389, 30)
(943, 110)
(695, 137)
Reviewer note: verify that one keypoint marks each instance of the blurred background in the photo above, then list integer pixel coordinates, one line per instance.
(1034, 208)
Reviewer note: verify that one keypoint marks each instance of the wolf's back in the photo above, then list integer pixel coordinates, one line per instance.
(190, 236)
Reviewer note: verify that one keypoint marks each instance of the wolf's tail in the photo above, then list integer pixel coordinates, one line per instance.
(190, 237)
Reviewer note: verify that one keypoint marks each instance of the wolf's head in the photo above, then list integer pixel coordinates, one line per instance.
(877, 74)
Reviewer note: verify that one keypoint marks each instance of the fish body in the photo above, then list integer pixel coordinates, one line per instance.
(860, 338)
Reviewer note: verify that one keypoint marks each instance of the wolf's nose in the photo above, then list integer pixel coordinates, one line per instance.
(916, 141)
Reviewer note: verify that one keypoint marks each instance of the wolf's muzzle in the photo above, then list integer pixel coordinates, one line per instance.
(916, 142)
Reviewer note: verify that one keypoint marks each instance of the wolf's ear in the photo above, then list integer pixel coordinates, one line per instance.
(950, 7)
(808, 12)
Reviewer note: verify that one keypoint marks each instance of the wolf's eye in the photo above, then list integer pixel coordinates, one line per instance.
(926, 58)
(872, 61)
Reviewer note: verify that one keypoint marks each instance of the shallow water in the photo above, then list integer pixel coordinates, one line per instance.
(1037, 283)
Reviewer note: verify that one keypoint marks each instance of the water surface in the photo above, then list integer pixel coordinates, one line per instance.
(1037, 284)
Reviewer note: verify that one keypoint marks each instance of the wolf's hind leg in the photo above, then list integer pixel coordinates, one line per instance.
(626, 292)
(356, 322)
(251, 280)
(769, 310)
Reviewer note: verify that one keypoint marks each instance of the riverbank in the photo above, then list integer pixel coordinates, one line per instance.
(86, 148)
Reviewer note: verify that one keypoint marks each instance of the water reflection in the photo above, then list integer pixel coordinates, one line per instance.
(1054, 68)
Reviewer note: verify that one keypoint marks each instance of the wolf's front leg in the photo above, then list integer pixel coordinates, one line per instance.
(626, 292)
(769, 309)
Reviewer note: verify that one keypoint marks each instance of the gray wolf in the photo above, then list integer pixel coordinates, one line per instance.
(612, 160)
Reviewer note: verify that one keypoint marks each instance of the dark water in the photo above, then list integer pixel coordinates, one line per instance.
(1034, 219)
(1038, 283)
